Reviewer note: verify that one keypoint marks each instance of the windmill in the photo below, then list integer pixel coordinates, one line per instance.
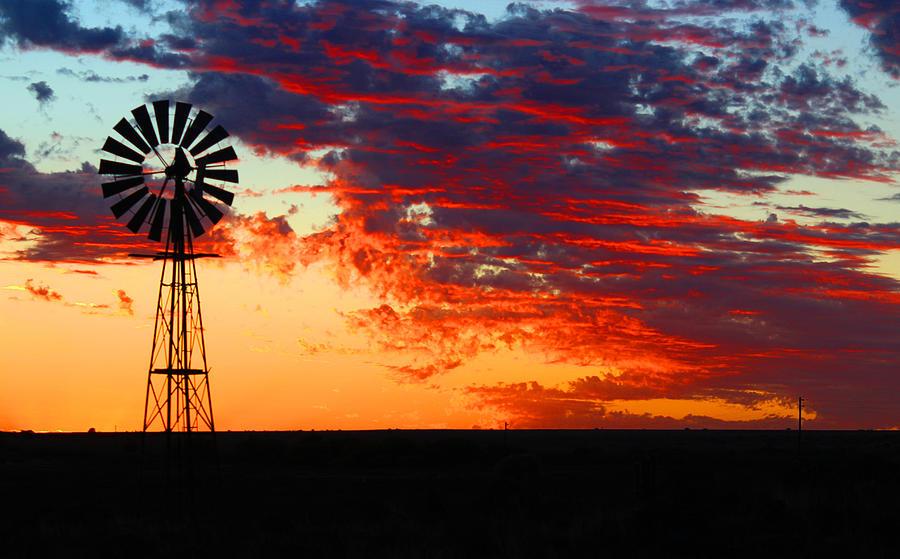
(170, 184)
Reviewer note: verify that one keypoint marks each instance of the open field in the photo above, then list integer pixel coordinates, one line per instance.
(454, 494)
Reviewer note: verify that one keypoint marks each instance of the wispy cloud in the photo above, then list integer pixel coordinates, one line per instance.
(40, 291)
(42, 92)
(126, 303)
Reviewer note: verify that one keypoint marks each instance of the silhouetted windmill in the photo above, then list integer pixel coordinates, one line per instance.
(167, 150)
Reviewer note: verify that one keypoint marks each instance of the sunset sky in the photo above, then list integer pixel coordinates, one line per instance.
(574, 214)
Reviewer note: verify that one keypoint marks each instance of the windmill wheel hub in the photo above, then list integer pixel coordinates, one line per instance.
(179, 168)
(192, 154)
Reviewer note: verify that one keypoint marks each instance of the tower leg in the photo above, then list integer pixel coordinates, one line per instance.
(178, 397)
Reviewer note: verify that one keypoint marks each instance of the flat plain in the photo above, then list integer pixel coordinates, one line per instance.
(487, 493)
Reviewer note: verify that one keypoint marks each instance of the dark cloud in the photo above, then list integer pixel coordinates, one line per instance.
(10, 150)
(810, 85)
(840, 213)
(149, 53)
(42, 92)
(882, 19)
(142, 5)
(46, 23)
(179, 43)
(64, 211)
(892, 198)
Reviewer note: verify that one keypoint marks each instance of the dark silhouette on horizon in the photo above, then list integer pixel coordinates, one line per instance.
(461, 494)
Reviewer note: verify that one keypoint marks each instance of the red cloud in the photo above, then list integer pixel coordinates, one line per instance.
(42, 291)
(269, 244)
(126, 303)
(531, 405)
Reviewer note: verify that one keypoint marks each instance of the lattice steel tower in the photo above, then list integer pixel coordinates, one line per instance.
(178, 393)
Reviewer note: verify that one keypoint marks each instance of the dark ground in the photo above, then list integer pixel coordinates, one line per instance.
(467, 494)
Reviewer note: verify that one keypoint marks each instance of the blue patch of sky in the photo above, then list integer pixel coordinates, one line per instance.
(135, 22)
(91, 94)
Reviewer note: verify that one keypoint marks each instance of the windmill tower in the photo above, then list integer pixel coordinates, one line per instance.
(160, 182)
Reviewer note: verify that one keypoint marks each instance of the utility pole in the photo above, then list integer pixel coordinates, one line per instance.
(799, 420)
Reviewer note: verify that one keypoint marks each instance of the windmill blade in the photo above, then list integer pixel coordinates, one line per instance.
(116, 147)
(108, 167)
(228, 175)
(139, 216)
(208, 208)
(115, 187)
(182, 110)
(161, 110)
(125, 204)
(124, 128)
(200, 122)
(196, 227)
(158, 217)
(142, 117)
(212, 212)
(224, 154)
(216, 192)
(217, 135)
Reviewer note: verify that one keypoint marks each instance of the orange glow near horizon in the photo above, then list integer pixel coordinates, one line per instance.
(280, 359)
